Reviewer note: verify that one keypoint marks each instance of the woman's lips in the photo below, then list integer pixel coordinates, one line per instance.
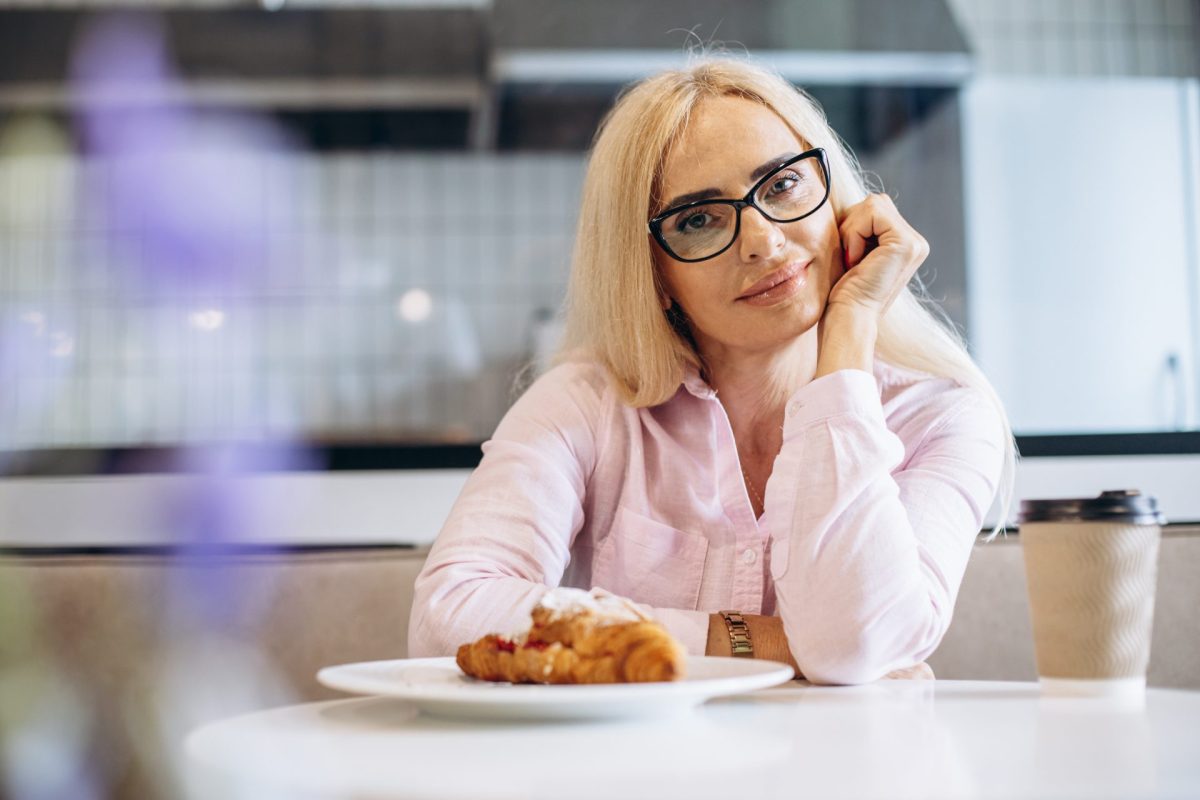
(777, 286)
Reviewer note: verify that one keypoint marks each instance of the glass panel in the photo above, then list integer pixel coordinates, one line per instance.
(700, 231)
(793, 191)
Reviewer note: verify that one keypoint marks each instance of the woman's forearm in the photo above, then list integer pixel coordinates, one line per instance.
(766, 634)
(886, 524)
(770, 642)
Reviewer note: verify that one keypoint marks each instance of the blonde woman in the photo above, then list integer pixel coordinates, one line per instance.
(752, 412)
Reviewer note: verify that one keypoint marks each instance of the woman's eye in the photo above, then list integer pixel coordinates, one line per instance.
(692, 222)
(784, 182)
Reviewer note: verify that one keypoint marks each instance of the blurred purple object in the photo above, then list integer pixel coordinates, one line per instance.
(218, 511)
(191, 184)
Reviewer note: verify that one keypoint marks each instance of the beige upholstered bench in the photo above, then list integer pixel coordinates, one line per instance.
(307, 609)
(122, 652)
(99, 612)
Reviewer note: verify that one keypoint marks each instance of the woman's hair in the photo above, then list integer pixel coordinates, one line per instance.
(614, 312)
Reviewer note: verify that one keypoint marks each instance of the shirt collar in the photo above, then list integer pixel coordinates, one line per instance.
(696, 384)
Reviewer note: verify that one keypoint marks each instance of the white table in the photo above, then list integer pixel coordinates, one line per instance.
(892, 739)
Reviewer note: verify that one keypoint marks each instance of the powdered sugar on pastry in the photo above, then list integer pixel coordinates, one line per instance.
(602, 607)
(611, 609)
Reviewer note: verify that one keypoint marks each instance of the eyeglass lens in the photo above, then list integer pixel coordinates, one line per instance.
(788, 194)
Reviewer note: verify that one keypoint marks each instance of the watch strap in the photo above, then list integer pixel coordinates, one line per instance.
(739, 634)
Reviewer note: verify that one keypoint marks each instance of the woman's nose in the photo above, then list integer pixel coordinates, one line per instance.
(759, 236)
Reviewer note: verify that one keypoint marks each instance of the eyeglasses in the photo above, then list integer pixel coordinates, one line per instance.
(704, 229)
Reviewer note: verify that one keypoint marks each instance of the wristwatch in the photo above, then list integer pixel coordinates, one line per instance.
(739, 634)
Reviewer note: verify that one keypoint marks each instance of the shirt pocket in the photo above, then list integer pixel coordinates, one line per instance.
(650, 562)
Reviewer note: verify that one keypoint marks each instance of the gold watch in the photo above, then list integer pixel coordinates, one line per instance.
(739, 634)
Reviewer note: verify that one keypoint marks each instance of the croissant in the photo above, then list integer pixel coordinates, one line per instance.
(584, 647)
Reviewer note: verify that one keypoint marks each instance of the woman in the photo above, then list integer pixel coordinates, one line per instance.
(751, 411)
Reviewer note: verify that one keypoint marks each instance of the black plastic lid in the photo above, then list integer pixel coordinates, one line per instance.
(1121, 505)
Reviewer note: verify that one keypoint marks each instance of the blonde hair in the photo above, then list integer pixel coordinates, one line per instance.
(613, 310)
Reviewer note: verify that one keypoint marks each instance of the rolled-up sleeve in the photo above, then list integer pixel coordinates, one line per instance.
(509, 534)
(869, 542)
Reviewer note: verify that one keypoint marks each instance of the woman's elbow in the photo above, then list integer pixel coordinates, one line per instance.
(844, 663)
(862, 657)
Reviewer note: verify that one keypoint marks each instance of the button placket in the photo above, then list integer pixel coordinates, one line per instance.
(747, 590)
(734, 493)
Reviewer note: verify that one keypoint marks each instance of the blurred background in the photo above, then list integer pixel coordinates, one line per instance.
(270, 273)
(335, 223)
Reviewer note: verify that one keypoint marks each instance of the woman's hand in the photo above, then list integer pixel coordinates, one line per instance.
(872, 280)
(868, 284)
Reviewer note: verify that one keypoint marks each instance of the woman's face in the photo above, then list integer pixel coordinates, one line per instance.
(727, 142)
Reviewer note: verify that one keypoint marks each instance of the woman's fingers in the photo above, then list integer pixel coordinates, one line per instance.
(855, 229)
(881, 252)
(874, 221)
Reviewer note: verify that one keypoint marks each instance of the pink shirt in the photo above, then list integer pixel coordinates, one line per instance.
(873, 505)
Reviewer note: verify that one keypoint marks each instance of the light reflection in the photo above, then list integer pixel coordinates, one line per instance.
(62, 344)
(36, 320)
(414, 306)
(208, 319)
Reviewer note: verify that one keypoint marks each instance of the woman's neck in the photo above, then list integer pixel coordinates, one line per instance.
(754, 387)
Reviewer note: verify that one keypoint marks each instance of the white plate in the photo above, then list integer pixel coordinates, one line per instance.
(438, 686)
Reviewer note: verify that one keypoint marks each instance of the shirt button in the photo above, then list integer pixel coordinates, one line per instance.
(748, 556)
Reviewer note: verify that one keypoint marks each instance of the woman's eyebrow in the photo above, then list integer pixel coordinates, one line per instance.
(709, 193)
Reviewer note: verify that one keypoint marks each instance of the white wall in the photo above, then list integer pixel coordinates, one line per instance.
(291, 508)
(1081, 232)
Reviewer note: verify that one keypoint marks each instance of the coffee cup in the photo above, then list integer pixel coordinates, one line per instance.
(1091, 569)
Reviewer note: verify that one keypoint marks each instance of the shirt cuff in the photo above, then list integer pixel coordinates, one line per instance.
(689, 627)
(847, 391)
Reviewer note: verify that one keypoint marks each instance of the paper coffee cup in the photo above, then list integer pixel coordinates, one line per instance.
(1091, 567)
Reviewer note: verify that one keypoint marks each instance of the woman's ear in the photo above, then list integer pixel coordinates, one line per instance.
(663, 290)
(675, 316)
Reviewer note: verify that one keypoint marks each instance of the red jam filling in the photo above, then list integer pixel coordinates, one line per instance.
(508, 646)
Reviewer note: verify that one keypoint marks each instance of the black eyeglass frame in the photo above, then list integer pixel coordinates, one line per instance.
(655, 225)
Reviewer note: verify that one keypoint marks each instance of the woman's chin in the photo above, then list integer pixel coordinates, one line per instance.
(787, 319)
(779, 331)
